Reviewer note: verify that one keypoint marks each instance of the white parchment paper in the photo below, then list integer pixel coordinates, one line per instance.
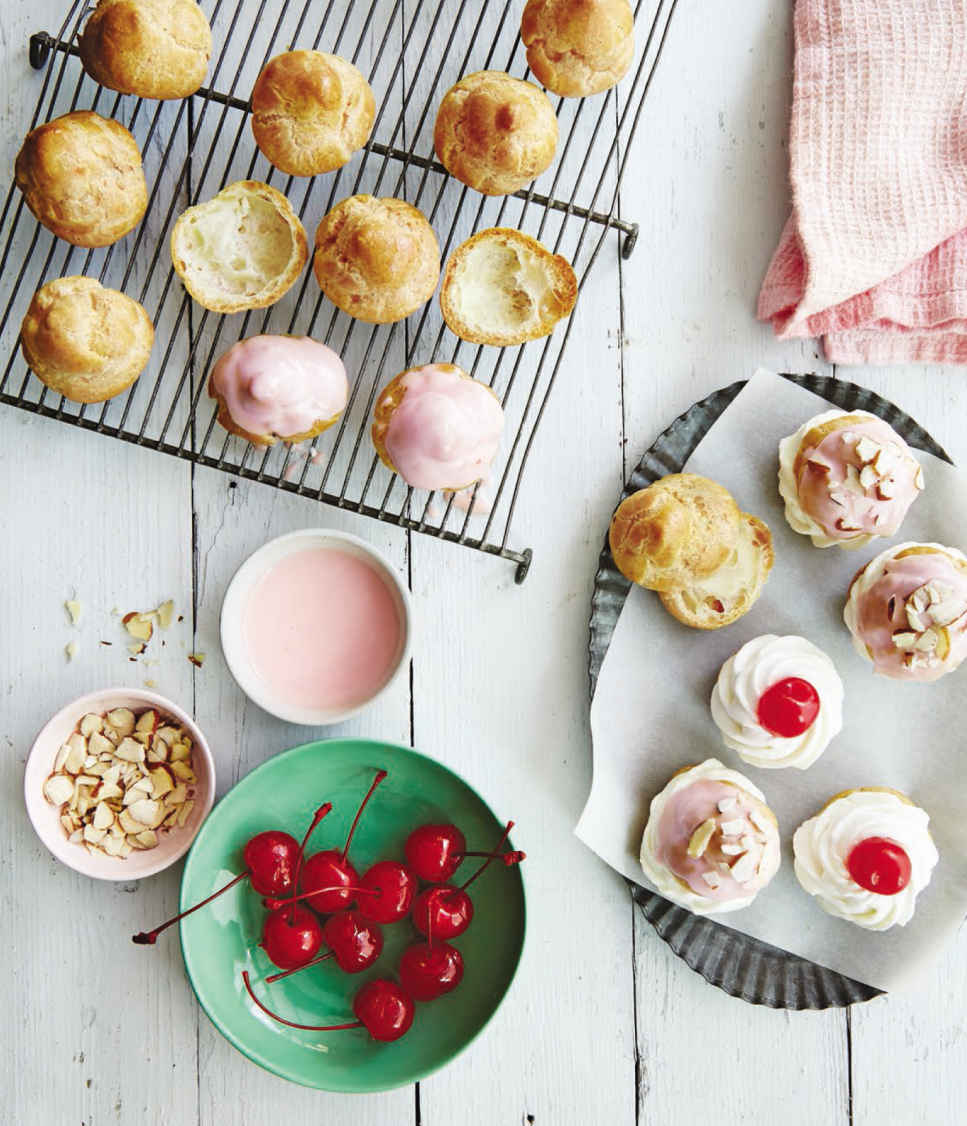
(650, 714)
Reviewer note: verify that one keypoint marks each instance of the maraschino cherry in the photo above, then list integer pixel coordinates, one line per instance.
(879, 865)
(789, 707)
(331, 868)
(271, 859)
(435, 852)
(446, 911)
(354, 942)
(291, 936)
(429, 970)
(393, 887)
(381, 1007)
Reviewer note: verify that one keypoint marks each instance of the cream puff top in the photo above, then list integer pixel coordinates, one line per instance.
(711, 843)
(907, 611)
(813, 712)
(445, 431)
(855, 485)
(280, 386)
(822, 846)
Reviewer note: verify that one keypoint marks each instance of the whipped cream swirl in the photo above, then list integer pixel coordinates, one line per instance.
(747, 674)
(711, 842)
(822, 844)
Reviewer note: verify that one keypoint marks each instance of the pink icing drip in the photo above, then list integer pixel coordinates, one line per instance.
(866, 510)
(446, 431)
(684, 811)
(875, 624)
(281, 385)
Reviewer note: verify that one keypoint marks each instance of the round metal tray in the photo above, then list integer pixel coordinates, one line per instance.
(740, 965)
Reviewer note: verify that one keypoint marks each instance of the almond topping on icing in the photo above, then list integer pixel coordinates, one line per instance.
(698, 842)
(727, 805)
(734, 828)
(713, 879)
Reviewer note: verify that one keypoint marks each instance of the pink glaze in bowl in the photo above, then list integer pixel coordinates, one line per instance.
(44, 817)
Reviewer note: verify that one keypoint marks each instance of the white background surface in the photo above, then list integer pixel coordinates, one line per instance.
(604, 1025)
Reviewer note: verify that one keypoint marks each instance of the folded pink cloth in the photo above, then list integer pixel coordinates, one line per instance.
(874, 256)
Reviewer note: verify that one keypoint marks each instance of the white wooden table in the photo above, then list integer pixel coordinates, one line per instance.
(604, 1024)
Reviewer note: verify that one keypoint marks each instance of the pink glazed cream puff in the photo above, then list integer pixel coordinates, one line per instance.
(437, 428)
(847, 479)
(907, 611)
(711, 843)
(278, 388)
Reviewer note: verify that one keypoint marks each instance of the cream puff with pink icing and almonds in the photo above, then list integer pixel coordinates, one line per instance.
(907, 611)
(778, 702)
(437, 428)
(272, 388)
(711, 843)
(847, 479)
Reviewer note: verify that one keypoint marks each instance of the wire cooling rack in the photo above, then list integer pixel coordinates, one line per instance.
(411, 52)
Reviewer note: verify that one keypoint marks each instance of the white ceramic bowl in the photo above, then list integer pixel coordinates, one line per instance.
(235, 647)
(45, 818)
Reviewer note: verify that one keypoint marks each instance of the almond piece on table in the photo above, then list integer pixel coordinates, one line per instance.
(138, 625)
(58, 789)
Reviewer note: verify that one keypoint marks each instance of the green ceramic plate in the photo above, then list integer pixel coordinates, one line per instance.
(221, 940)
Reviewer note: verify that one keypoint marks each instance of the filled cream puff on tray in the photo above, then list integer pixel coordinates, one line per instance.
(838, 748)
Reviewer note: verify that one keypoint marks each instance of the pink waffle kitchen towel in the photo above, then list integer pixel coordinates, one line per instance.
(874, 256)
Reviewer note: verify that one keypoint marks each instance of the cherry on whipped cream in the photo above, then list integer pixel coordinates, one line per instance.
(879, 865)
(789, 707)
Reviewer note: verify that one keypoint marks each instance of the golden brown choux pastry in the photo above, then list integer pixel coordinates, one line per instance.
(81, 176)
(503, 287)
(151, 48)
(376, 259)
(311, 112)
(241, 249)
(685, 537)
(84, 341)
(578, 47)
(495, 133)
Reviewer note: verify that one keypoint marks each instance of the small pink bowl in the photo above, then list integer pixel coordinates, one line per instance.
(45, 817)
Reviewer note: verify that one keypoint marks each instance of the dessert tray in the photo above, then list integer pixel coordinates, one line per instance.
(740, 964)
(193, 147)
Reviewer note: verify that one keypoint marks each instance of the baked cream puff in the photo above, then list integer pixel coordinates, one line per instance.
(866, 856)
(711, 842)
(778, 702)
(272, 388)
(847, 479)
(907, 611)
(437, 428)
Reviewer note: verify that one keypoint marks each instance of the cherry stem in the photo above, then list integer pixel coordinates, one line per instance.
(486, 864)
(292, 1024)
(380, 775)
(320, 891)
(317, 817)
(508, 858)
(148, 938)
(296, 969)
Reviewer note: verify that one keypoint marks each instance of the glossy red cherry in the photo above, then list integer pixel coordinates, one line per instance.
(879, 865)
(789, 707)
(331, 867)
(434, 852)
(270, 860)
(428, 971)
(355, 943)
(442, 912)
(385, 1009)
(394, 886)
(291, 936)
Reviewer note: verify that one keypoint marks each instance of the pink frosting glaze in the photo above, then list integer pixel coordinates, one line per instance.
(446, 431)
(683, 813)
(323, 629)
(280, 385)
(861, 510)
(880, 612)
